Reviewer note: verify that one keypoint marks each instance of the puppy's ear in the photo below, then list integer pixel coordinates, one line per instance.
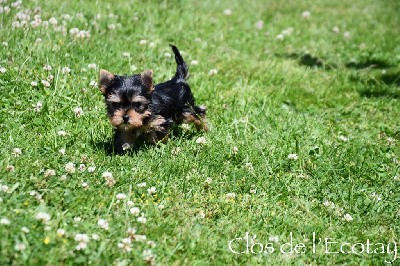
(147, 79)
(105, 80)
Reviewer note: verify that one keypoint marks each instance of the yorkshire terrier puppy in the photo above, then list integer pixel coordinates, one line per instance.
(140, 111)
(172, 102)
(127, 100)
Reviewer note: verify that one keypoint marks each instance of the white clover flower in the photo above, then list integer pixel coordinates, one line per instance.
(47, 67)
(306, 14)
(93, 83)
(83, 240)
(391, 141)
(151, 243)
(142, 42)
(292, 156)
(148, 256)
(92, 66)
(376, 196)
(66, 70)
(151, 190)
(347, 35)
(259, 24)
(5, 44)
(227, 12)
(280, 37)
(140, 238)
(152, 44)
(46, 83)
(53, 21)
(125, 244)
(82, 167)
(109, 179)
(273, 239)
(49, 172)
(74, 31)
(253, 191)
(126, 54)
(201, 140)
(208, 181)
(130, 203)
(161, 207)
(10, 168)
(103, 224)
(4, 188)
(201, 214)
(91, 169)
(235, 150)
(85, 185)
(62, 133)
(25, 230)
(131, 232)
(213, 72)
(78, 111)
(126, 146)
(95, 237)
(34, 83)
(38, 107)
(230, 196)
(60, 232)
(343, 138)
(142, 219)
(5, 221)
(3, 70)
(167, 55)
(77, 219)
(194, 62)
(121, 196)
(43, 217)
(111, 26)
(17, 152)
(143, 184)
(336, 29)
(70, 168)
(134, 211)
(347, 217)
(133, 68)
(20, 247)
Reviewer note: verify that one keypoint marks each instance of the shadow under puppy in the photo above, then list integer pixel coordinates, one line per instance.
(141, 112)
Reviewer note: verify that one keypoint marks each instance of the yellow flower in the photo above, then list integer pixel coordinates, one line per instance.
(46, 241)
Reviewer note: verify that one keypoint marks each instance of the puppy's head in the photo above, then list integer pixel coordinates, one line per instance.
(127, 98)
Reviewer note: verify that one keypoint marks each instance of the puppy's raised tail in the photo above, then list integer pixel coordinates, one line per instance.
(182, 70)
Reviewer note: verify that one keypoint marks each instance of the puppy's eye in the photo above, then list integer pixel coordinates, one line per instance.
(137, 105)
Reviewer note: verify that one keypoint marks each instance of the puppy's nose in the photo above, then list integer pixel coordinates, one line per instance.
(126, 118)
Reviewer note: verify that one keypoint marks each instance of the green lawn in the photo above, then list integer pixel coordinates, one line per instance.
(304, 119)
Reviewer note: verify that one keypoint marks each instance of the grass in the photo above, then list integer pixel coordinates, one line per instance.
(332, 101)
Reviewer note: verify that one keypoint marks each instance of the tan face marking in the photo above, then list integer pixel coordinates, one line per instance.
(114, 98)
(139, 99)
